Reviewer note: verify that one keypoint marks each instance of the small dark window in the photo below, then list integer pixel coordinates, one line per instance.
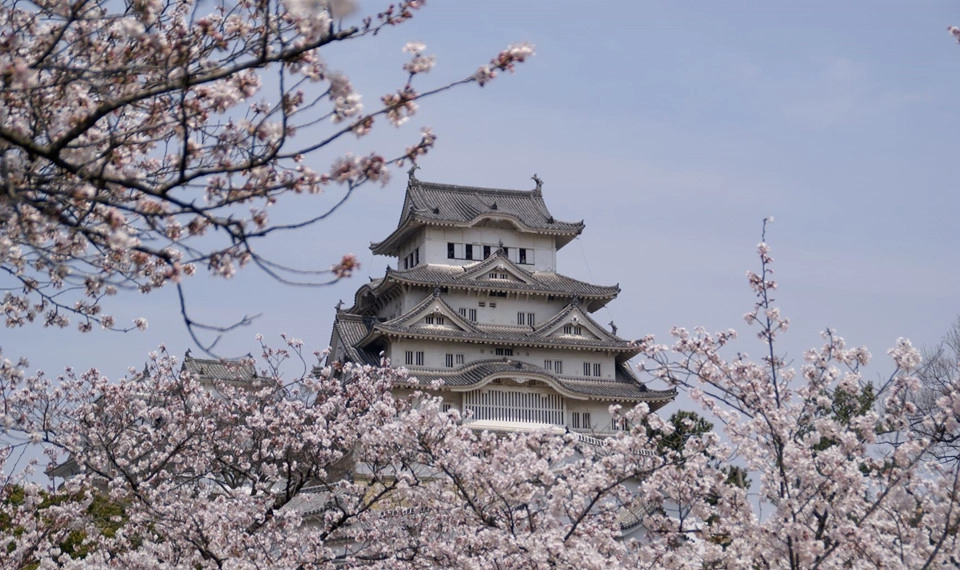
(521, 318)
(408, 358)
(473, 315)
(416, 256)
(449, 361)
(459, 359)
(486, 251)
(523, 255)
(419, 358)
(504, 351)
(451, 250)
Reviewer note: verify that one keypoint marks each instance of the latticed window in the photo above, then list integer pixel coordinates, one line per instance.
(505, 404)
(408, 358)
(449, 361)
(580, 420)
(419, 358)
(503, 351)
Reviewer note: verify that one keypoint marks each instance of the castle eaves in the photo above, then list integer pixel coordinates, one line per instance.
(430, 203)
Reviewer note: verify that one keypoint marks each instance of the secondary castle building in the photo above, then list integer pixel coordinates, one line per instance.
(476, 300)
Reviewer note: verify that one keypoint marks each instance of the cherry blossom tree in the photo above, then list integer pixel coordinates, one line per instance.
(143, 141)
(331, 468)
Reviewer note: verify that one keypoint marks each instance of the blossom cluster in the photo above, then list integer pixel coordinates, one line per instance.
(130, 132)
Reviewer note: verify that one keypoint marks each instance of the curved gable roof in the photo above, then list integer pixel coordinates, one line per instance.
(431, 203)
(475, 277)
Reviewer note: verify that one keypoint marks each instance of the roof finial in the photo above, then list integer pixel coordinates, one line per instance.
(539, 182)
(339, 305)
(613, 327)
(501, 249)
(412, 172)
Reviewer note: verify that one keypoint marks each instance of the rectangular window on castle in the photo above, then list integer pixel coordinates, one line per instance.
(428, 319)
(473, 315)
(531, 319)
(451, 250)
(580, 420)
(440, 320)
(596, 369)
(521, 318)
(468, 251)
(419, 358)
(586, 369)
(459, 359)
(486, 251)
(504, 352)
(548, 364)
(449, 361)
(558, 366)
(416, 256)
(463, 312)
(408, 358)
(522, 257)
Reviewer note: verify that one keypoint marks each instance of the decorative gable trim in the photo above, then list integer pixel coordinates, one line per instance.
(574, 315)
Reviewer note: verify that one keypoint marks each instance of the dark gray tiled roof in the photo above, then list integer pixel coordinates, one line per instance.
(516, 336)
(352, 329)
(473, 277)
(500, 335)
(208, 369)
(431, 203)
(546, 282)
(476, 372)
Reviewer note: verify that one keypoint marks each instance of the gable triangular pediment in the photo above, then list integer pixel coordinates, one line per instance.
(497, 269)
(575, 324)
(433, 314)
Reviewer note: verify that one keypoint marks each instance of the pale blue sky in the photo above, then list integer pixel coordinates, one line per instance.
(672, 129)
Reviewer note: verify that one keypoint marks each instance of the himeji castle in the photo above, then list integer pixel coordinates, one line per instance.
(476, 301)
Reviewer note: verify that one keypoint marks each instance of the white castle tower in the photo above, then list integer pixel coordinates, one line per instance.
(476, 301)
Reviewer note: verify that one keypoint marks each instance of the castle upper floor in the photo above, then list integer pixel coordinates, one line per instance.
(459, 225)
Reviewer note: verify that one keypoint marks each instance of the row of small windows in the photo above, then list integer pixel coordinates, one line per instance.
(554, 366)
(470, 251)
(573, 329)
(580, 420)
(470, 314)
(526, 319)
(412, 260)
(453, 358)
(434, 320)
(412, 358)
